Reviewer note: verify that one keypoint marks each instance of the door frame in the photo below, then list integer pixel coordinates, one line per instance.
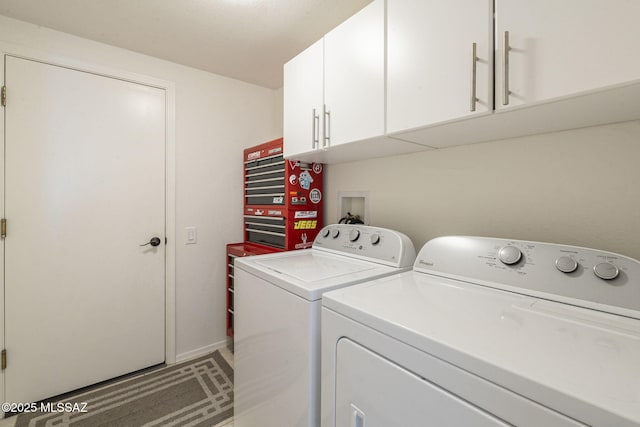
(170, 171)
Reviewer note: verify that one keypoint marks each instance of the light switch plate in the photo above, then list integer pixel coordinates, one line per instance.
(191, 235)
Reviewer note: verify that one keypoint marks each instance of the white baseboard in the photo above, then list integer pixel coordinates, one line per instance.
(182, 357)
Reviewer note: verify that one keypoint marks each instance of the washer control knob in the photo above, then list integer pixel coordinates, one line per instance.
(509, 255)
(566, 264)
(325, 232)
(375, 239)
(606, 271)
(335, 233)
(354, 235)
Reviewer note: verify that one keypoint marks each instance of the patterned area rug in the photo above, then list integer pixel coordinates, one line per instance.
(197, 393)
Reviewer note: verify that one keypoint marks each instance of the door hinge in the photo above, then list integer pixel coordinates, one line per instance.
(4, 96)
(3, 228)
(4, 359)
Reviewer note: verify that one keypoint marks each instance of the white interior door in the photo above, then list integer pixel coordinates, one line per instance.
(84, 188)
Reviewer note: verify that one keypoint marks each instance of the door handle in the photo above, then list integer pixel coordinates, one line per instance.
(155, 241)
(315, 130)
(326, 127)
(474, 60)
(505, 72)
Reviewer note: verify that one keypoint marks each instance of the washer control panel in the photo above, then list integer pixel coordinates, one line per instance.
(597, 279)
(370, 243)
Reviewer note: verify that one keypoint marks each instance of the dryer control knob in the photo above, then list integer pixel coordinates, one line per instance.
(325, 232)
(509, 255)
(335, 233)
(606, 271)
(354, 235)
(566, 264)
(375, 239)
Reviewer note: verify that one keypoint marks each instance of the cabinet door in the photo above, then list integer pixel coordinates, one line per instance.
(354, 76)
(303, 97)
(562, 47)
(430, 61)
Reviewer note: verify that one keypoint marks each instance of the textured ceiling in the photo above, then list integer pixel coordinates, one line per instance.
(247, 40)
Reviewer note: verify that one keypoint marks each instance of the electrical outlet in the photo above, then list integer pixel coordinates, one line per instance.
(191, 235)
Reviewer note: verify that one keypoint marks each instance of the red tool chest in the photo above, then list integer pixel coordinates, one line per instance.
(282, 208)
(282, 198)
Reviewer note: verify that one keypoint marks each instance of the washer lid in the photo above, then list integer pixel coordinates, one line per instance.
(580, 362)
(308, 273)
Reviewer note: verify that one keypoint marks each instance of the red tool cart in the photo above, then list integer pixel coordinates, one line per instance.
(282, 207)
(235, 250)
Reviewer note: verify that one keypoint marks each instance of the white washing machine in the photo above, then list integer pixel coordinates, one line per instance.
(277, 311)
(487, 332)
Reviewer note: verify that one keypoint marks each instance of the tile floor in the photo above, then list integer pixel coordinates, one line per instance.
(228, 356)
(11, 421)
(228, 423)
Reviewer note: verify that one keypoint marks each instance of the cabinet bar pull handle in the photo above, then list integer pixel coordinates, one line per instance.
(327, 126)
(315, 130)
(505, 74)
(474, 59)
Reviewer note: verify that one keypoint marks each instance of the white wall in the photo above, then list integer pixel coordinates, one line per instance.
(216, 117)
(579, 187)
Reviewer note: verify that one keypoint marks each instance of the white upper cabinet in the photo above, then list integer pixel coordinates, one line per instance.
(354, 77)
(558, 48)
(433, 72)
(334, 91)
(569, 63)
(458, 72)
(303, 100)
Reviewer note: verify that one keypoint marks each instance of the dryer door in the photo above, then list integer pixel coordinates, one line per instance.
(371, 391)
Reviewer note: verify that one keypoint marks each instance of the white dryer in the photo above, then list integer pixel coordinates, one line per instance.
(487, 332)
(277, 312)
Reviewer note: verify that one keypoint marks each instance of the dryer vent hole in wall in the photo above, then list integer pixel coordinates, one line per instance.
(353, 207)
